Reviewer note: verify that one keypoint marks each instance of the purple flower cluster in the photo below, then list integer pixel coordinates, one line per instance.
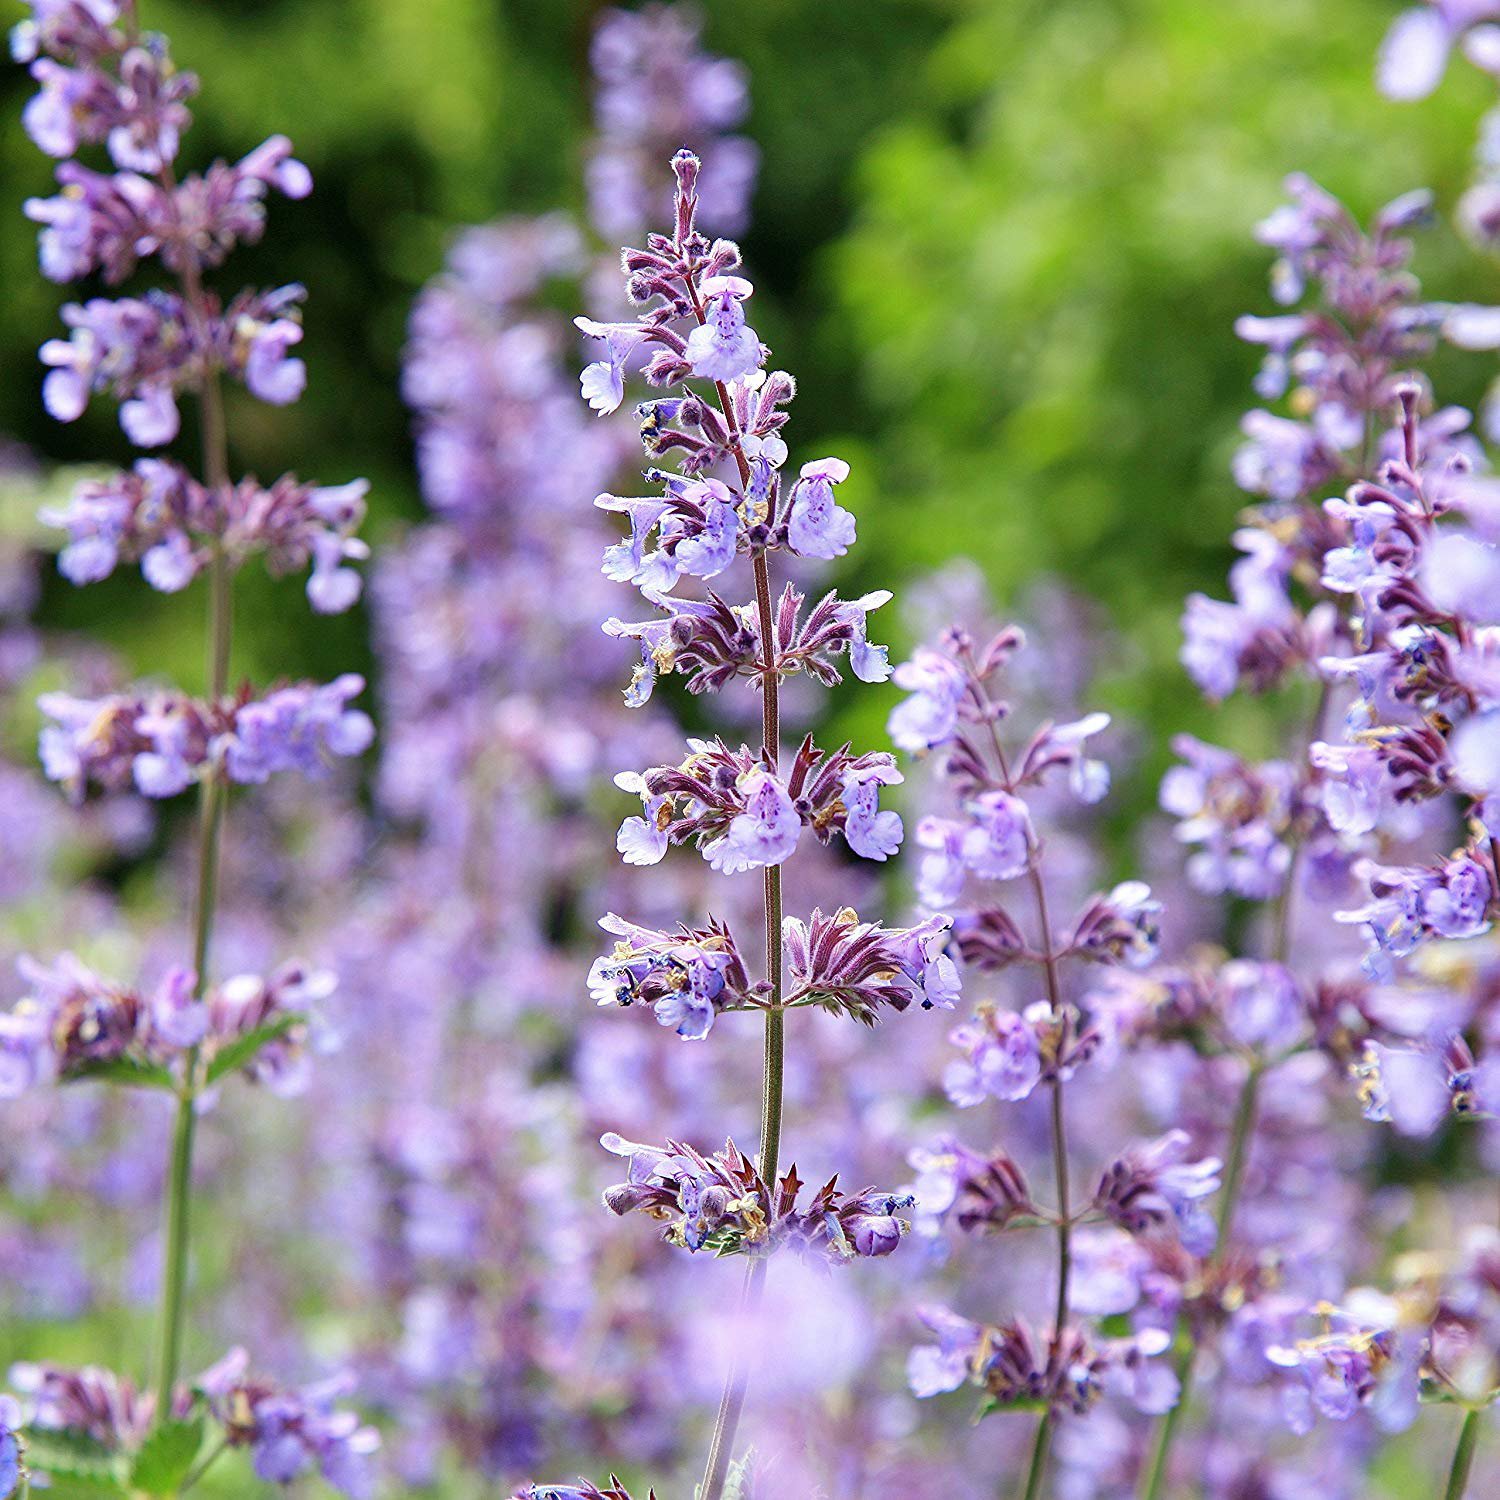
(742, 815)
(73, 1024)
(581, 1491)
(656, 89)
(1239, 816)
(721, 1203)
(162, 742)
(1413, 58)
(1016, 1366)
(1005, 790)
(290, 1433)
(711, 642)
(853, 967)
(158, 515)
(102, 80)
(686, 977)
(486, 1265)
(287, 1432)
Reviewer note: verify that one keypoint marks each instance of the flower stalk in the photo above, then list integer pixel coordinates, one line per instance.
(744, 809)
(212, 801)
(1463, 1457)
(773, 1067)
(1041, 1448)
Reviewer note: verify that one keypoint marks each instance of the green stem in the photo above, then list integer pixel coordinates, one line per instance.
(212, 799)
(1240, 1135)
(1463, 1458)
(732, 1402)
(203, 1466)
(1042, 1446)
(1156, 1470)
(174, 1263)
(1039, 1450)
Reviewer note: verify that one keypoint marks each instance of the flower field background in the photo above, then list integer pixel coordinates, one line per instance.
(1127, 976)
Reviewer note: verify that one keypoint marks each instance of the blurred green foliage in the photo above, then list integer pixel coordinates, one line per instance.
(1002, 242)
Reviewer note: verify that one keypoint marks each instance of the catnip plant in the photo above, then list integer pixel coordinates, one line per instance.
(108, 90)
(744, 809)
(987, 840)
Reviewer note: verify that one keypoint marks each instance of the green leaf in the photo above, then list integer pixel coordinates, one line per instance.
(82, 1487)
(989, 1406)
(244, 1049)
(132, 1071)
(76, 1463)
(166, 1456)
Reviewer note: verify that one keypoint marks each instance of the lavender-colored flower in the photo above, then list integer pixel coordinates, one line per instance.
(929, 717)
(856, 967)
(92, 1402)
(818, 526)
(158, 515)
(977, 1192)
(687, 977)
(10, 1445)
(583, 1490)
(1014, 1365)
(298, 729)
(932, 1369)
(162, 742)
(697, 529)
(1361, 1360)
(1239, 813)
(723, 347)
(642, 840)
(1414, 54)
(1120, 927)
(143, 349)
(656, 90)
(1261, 1004)
(741, 815)
(869, 831)
(1407, 1086)
(1411, 904)
(1002, 1058)
(27, 1058)
(1258, 635)
(1154, 1185)
(765, 833)
(289, 1433)
(997, 844)
(74, 1023)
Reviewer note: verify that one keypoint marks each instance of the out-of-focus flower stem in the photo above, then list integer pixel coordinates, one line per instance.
(1463, 1457)
(1240, 1133)
(197, 1472)
(1234, 1172)
(212, 799)
(1042, 1447)
(732, 1403)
